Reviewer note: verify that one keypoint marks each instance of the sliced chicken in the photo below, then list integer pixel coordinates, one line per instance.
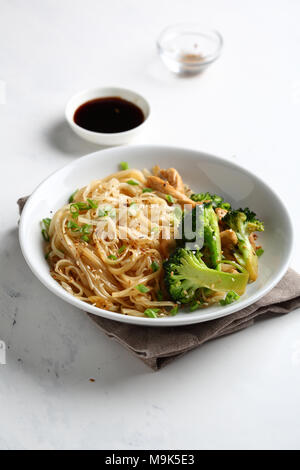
(228, 238)
(220, 212)
(228, 242)
(174, 178)
(166, 188)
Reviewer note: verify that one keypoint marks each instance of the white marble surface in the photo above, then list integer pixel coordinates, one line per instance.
(241, 391)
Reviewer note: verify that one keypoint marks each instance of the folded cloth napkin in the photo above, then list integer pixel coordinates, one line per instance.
(159, 346)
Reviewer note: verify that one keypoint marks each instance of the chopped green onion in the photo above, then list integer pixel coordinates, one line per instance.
(93, 204)
(102, 213)
(86, 229)
(74, 211)
(159, 295)
(112, 257)
(194, 306)
(46, 223)
(170, 198)
(83, 206)
(177, 213)
(45, 235)
(260, 252)
(45, 229)
(107, 210)
(47, 254)
(71, 198)
(230, 297)
(155, 266)
(155, 229)
(121, 249)
(151, 312)
(85, 238)
(147, 190)
(174, 310)
(133, 183)
(124, 166)
(73, 226)
(143, 289)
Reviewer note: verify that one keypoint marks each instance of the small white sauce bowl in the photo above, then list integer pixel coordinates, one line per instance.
(115, 138)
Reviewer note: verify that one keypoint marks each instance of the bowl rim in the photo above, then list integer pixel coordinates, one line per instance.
(156, 322)
(208, 59)
(69, 111)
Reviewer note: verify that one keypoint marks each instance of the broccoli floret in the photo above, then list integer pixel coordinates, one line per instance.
(244, 222)
(186, 273)
(217, 201)
(253, 224)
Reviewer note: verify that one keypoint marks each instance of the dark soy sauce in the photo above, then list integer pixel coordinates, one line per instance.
(108, 115)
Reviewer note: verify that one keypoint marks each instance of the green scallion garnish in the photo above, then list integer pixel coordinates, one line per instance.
(83, 206)
(45, 229)
(124, 166)
(151, 312)
(155, 266)
(93, 204)
(147, 190)
(46, 222)
(71, 198)
(73, 226)
(143, 289)
(102, 213)
(177, 213)
(74, 211)
(45, 235)
(260, 251)
(174, 311)
(170, 198)
(194, 306)
(112, 257)
(121, 249)
(133, 183)
(86, 229)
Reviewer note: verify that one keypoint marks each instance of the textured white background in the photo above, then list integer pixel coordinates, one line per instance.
(241, 391)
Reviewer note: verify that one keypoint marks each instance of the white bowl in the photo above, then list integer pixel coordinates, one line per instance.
(202, 172)
(116, 138)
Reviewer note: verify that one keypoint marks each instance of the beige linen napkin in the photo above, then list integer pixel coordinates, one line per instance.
(159, 346)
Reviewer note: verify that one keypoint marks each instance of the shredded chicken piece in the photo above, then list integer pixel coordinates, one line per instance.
(220, 212)
(174, 178)
(156, 170)
(164, 187)
(228, 238)
(228, 242)
(227, 268)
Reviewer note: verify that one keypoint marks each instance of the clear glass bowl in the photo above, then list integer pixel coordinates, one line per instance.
(188, 48)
